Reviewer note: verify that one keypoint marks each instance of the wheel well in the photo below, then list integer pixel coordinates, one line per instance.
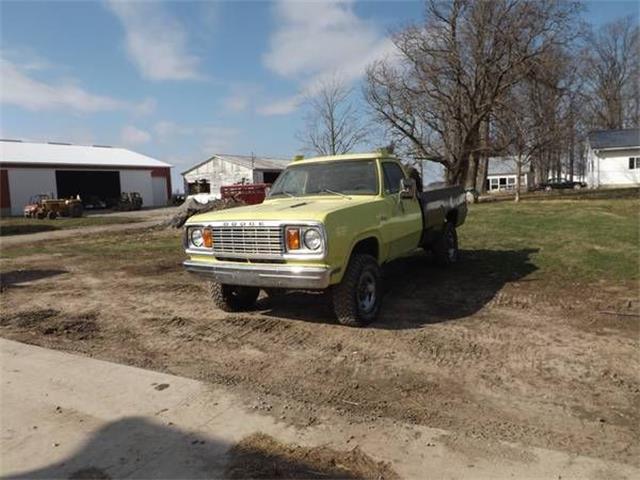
(368, 246)
(452, 216)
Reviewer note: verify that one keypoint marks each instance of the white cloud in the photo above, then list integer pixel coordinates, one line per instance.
(145, 107)
(241, 97)
(156, 42)
(218, 139)
(209, 139)
(17, 88)
(317, 40)
(237, 102)
(281, 107)
(132, 136)
(28, 59)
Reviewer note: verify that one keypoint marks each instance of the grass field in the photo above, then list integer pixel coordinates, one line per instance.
(566, 240)
(22, 226)
(575, 239)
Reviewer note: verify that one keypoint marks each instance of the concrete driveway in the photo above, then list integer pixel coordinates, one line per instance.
(66, 416)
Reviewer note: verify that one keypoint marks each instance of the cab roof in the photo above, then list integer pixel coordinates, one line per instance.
(348, 156)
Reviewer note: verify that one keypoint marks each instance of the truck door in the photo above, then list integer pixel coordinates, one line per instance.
(401, 224)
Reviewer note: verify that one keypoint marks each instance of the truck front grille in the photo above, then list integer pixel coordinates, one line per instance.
(247, 240)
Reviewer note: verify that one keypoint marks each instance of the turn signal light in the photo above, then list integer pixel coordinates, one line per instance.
(293, 239)
(207, 238)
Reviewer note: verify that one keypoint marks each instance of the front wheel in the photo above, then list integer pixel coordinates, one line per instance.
(233, 298)
(445, 250)
(356, 300)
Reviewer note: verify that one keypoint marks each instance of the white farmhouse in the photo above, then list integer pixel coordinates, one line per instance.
(221, 169)
(614, 158)
(502, 175)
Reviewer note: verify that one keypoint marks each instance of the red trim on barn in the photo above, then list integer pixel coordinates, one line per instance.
(166, 173)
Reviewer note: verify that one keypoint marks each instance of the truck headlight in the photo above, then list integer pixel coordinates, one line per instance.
(312, 239)
(195, 236)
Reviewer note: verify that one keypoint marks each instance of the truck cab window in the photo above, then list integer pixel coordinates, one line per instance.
(392, 176)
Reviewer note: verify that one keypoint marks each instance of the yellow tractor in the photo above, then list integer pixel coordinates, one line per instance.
(43, 206)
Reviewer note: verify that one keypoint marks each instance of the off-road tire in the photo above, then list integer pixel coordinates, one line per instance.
(52, 215)
(346, 304)
(275, 293)
(445, 249)
(233, 298)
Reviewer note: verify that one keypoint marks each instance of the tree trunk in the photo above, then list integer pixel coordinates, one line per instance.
(518, 177)
(571, 155)
(472, 172)
(481, 179)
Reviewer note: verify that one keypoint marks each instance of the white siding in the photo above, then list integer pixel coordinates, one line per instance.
(26, 182)
(159, 186)
(510, 179)
(611, 168)
(218, 172)
(138, 181)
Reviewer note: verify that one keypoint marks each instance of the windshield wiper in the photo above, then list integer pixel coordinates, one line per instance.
(335, 193)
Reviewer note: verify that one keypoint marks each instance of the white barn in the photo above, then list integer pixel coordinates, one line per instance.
(222, 169)
(65, 170)
(613, 158)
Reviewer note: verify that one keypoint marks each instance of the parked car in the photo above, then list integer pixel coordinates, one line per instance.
(560, 184)
(328, 223)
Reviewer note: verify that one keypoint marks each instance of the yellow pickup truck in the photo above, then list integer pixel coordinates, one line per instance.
(328, 223)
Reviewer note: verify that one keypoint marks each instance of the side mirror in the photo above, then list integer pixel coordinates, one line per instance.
(407, 188)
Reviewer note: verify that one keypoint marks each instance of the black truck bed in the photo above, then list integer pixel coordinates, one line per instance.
(440, 206)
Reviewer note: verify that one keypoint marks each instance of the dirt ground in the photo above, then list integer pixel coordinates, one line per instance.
(473, 350)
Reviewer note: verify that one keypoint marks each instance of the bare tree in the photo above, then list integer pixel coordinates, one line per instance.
(457, 68)
(611, 68)
(333, 125)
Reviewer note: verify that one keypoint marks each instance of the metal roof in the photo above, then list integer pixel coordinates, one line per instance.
(503, 166)
(247, 161)
(27, 153)
(613, 139)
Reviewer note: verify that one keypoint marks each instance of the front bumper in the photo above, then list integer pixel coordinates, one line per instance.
(265, 276)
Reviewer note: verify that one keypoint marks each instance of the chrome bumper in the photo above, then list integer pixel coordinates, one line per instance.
(266, 276)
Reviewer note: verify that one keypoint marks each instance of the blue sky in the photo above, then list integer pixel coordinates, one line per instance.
(183, 80)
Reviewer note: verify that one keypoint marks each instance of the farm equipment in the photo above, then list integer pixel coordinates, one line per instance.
(129, 201)
(247, 193)
(43, 206)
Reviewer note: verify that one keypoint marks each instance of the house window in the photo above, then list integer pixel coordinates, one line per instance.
(634, 163)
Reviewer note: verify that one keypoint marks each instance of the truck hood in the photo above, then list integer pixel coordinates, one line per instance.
(314, 208)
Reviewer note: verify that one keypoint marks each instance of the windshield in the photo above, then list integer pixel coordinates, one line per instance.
(359, 177)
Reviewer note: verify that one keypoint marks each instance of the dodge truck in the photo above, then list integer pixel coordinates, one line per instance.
(328, 223)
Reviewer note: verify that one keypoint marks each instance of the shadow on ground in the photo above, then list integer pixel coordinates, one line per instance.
(10, 229)
(137, 448)
(418, 293)
(16, 277)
